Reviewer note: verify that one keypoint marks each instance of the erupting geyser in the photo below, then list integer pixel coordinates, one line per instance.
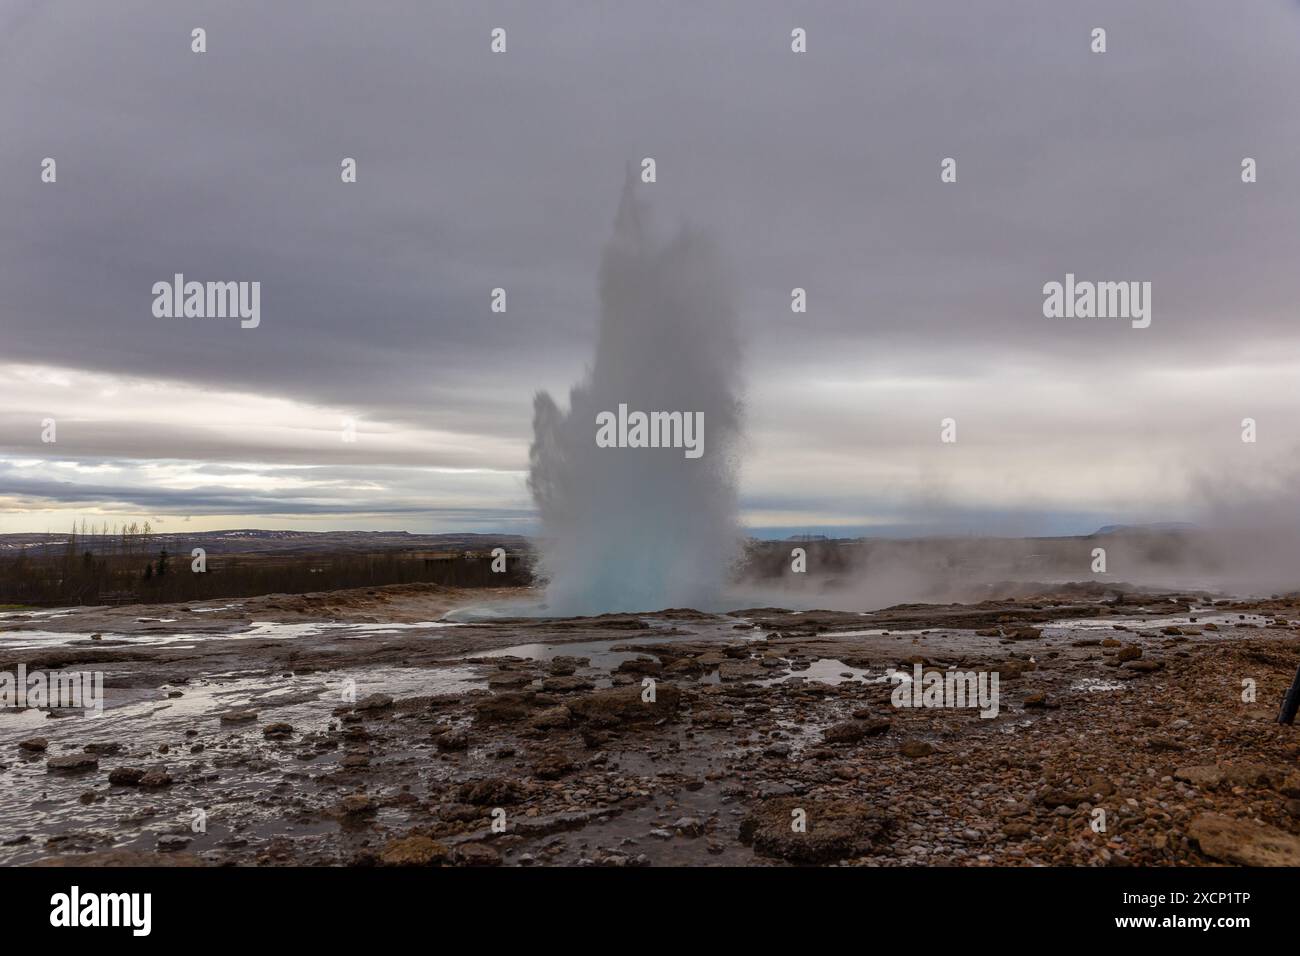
(634, 527)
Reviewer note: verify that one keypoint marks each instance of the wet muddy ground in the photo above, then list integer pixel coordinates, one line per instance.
(399, 726)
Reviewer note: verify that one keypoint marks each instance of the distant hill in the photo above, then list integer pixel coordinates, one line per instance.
(1138, 528)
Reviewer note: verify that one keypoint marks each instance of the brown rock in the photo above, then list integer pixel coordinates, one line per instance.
(157, 777)
(72, 763)
(1290, 785)
(477, 854)
(850, 732)
(832, 829)
(1202, 775)
(566, 684)
(551, 718)
(915, 748)
(490, 791)
(505, 708)
(452, 740)
(1244, 842)
(413, 851)
(358, 804)
(619, 705)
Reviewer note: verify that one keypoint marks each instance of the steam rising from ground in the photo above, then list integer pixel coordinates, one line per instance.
(638, 529)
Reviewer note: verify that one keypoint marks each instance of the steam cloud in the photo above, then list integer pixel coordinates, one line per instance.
(637, 529)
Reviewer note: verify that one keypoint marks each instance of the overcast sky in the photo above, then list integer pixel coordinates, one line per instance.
(478, 170)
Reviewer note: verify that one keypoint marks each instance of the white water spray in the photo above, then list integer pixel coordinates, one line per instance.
(640, 529)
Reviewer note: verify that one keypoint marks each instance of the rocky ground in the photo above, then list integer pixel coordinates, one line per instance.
(378, 727)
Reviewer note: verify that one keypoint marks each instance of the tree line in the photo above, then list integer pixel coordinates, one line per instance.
(125, 568)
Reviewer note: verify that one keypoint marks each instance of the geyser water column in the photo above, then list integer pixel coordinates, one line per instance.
(627, 527)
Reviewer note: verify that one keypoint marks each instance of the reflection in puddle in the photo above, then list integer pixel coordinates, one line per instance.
(278, 631)
(826, 670)
(1195, 618)
(601, 653)
(1096, 683)
(266, 630)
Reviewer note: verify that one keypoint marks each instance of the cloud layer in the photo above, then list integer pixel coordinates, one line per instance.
(478, 171)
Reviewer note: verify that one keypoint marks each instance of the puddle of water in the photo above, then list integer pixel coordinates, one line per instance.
(46, 638)
(40, 805)
(1203, 617)
(267, 630)
(604, 657)
(878, 632)
(279, 631)
(36, 614)
(1096, 684)
(826, 670)
(601, 653)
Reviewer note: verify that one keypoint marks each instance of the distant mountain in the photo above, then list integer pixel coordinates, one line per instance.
(1155, 526)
